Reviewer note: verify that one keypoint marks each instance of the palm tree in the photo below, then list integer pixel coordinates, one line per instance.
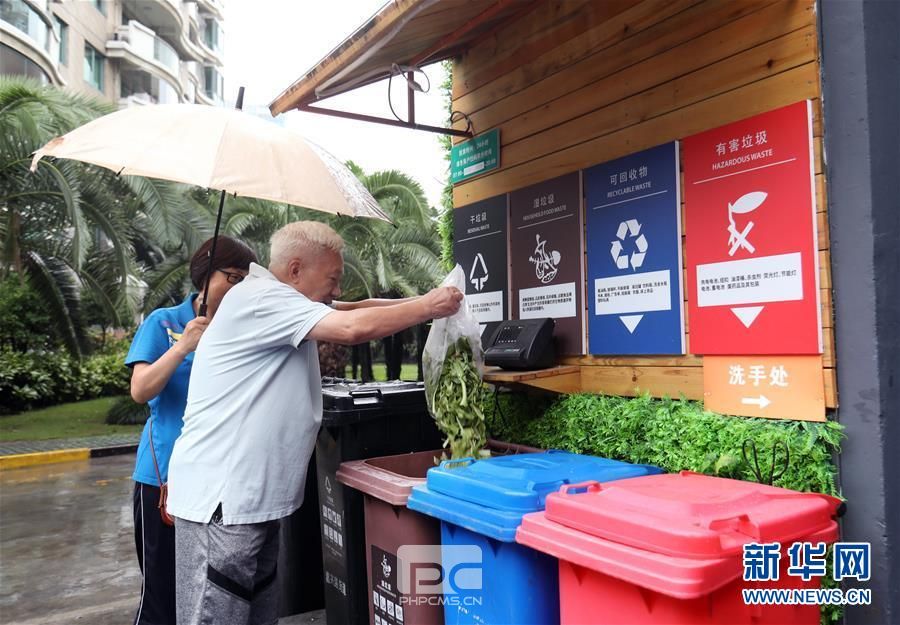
(69, 229)
(399, 260)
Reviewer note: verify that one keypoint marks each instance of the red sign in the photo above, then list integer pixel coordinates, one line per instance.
(753, 275)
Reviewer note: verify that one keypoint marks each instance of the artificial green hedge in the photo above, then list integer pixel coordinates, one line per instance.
(672, 434)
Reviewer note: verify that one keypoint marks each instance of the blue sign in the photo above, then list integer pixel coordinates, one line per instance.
(633, 221)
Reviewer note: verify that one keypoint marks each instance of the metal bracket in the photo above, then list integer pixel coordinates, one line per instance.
(383, 120)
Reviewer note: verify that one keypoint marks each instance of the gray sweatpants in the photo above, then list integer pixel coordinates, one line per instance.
(226, 574)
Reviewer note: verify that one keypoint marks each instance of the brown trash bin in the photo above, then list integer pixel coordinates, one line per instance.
(386, 483)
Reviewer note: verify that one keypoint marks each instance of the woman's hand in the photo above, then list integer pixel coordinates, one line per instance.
(191, 335)
(149, 379)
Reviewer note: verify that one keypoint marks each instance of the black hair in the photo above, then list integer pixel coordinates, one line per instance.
(229, 253)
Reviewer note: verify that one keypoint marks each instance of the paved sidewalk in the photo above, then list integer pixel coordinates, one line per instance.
(90, 442)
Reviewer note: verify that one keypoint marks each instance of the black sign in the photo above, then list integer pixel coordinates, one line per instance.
(386, 598)
(546, 251)
(479, 246)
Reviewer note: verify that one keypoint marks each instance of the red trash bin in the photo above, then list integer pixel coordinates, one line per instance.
(668, 549)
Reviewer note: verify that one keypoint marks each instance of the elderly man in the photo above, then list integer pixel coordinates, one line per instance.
(253, 411)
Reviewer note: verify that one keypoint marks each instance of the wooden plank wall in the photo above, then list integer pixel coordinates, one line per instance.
(574, 83)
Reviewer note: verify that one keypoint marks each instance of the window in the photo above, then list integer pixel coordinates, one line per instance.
(213, 83)
(63, 29)
(100, 5)
(211, 35)
(19, 14)
(93, 67)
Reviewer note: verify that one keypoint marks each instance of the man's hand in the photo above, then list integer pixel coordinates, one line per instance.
(191, 335)
(442, 301)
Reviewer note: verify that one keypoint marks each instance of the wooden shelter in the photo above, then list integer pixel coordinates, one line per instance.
(573, 83)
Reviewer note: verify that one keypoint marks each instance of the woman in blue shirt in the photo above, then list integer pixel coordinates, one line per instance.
(160, 358)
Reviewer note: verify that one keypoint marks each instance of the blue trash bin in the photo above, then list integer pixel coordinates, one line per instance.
(489, 579)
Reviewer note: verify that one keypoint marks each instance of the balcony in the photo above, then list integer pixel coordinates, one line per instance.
(171, 20)
(193, 13)
(164, 17)
(215, 7)
(28, 36)
(139, 87)
(141, 50)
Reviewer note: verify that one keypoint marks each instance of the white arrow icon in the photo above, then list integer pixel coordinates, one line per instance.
(631, 321)
(478, 281)
(747, 315)
(762, 401)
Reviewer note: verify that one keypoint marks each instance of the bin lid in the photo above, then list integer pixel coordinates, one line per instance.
(370, 398)
(690, 515)
(491, 495)
(678, 577)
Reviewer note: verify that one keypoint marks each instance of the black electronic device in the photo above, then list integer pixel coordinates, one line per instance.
(522, 344)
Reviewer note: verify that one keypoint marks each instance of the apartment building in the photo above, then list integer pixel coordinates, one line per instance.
(127, 51)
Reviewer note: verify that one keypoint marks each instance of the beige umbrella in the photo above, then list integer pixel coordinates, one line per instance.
(217, 148)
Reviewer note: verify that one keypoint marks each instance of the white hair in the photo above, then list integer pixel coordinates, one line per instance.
(301, 239)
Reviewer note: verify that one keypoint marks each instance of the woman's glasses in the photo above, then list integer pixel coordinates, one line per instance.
(233, 278)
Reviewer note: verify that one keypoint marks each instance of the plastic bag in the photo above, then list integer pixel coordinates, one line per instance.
(453, 366)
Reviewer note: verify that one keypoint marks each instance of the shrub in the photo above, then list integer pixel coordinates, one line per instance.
(22, 382)
(126, 411)
(44, 378)
(24, 320)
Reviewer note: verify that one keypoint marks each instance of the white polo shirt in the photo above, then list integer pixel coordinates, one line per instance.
(253, 409)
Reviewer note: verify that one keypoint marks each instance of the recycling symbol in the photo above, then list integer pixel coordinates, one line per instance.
(629, 229)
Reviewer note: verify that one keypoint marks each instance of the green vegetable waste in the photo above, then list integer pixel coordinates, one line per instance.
(457, 403)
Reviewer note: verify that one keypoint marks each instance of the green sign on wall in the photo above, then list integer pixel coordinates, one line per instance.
(476, 156)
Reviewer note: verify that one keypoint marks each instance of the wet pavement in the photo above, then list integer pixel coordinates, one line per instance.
(67, 545)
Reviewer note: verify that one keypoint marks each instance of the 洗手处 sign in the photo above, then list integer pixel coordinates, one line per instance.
(784, 387)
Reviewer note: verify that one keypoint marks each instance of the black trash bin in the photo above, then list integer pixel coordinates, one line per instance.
(300, 575)
(360, 421)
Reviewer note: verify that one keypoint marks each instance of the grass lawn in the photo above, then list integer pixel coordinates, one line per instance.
(407, 371)
(83, 418)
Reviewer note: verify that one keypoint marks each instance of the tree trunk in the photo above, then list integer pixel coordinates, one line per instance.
(393, 355)
(365, 359)
(387, 348)
(354, 361)
(397, 354)
(421, 335)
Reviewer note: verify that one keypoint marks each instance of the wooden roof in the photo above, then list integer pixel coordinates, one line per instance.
(406, 33)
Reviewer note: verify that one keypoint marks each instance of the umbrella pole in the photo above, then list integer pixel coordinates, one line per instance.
(212, 255)
(212, 252)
